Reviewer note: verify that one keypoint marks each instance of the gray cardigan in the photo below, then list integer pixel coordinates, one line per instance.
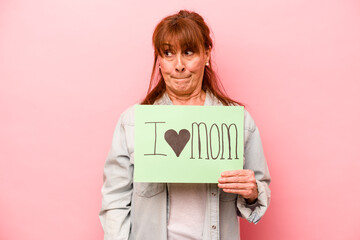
(140, 210)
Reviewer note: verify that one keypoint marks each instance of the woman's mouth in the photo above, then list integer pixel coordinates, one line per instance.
(181, 78)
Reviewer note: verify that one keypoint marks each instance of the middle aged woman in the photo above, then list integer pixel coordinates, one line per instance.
(182, 75)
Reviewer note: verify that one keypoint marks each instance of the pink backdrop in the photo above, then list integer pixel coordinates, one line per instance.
(69, 68)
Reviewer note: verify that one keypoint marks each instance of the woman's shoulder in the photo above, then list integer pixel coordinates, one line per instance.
(127, 117)
(249, 123)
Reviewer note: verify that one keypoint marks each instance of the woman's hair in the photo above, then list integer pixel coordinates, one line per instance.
(189, 31)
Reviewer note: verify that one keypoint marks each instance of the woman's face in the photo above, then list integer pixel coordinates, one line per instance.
(182, 70)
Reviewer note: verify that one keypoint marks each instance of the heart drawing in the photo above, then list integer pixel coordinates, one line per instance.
(177, 141)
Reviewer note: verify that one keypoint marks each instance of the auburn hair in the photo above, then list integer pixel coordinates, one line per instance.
(189, 31)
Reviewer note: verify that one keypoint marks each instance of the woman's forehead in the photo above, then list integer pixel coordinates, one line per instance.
(172, 45)
(178, 44)
(181, 37)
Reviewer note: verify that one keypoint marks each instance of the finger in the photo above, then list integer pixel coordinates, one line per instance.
(243, 193)
(241, 179)
(232, 173)
(239, 186)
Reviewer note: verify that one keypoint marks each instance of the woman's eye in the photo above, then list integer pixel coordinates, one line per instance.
(189, 53)
(167, 53)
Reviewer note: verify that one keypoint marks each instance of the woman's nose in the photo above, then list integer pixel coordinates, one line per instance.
(179, 67)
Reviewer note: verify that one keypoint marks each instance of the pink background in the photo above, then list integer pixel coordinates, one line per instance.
(69, 68)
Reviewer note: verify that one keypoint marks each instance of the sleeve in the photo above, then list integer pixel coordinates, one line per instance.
(255, 160)
(117, 188)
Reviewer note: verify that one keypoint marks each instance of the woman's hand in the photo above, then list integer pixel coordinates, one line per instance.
(240, 182)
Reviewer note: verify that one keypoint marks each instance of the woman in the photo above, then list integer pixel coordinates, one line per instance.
(182, 75)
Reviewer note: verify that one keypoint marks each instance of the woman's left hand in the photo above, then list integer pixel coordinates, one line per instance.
(240, 182)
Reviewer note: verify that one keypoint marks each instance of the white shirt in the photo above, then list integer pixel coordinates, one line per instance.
(187, 211)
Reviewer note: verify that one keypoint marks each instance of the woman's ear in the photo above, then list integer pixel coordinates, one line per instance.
(207, 55)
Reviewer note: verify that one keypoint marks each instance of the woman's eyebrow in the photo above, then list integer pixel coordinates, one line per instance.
(167, 45)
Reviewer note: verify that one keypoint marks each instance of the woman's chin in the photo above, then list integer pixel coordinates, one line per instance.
(182, 90)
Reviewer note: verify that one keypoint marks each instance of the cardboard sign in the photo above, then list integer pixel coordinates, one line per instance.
(187, 144)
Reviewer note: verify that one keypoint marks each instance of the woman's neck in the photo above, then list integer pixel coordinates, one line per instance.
(196, 98)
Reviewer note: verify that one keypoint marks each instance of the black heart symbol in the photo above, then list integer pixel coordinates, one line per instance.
(177, 141)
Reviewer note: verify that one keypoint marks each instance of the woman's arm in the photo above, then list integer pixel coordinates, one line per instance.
(117, 188)
(252, 183)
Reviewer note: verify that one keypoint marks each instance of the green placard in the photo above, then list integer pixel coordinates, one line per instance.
(187, 144)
